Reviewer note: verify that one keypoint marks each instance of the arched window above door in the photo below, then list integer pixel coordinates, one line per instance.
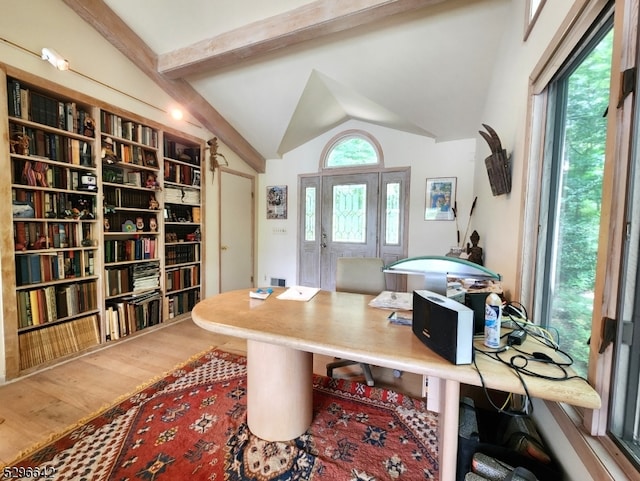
(352, 148)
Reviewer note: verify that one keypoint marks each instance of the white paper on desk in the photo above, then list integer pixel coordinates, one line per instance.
(299, 293)
(400, 301)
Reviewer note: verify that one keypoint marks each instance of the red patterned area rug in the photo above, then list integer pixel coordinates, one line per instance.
(191, 425)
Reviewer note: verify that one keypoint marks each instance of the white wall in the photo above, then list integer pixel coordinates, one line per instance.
(278, 252)
(501, 218)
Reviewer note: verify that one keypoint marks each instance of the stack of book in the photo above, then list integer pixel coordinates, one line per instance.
(146, 276)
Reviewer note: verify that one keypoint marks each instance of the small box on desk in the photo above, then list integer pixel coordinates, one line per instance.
(443, 325)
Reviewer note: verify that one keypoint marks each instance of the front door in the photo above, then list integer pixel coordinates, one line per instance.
(349, 221)
(363, 215)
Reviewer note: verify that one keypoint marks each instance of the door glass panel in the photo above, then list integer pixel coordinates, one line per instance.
(349, 213)
(392, 213)
(310, 214)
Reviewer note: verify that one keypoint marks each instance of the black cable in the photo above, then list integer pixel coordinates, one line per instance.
(520, 363)
(486, 392)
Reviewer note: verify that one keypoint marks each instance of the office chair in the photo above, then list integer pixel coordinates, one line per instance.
(361, 275)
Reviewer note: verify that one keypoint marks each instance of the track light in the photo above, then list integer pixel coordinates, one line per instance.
(55, 59)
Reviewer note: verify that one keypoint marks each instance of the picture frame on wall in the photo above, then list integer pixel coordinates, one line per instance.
(440, 198)
(277, 202)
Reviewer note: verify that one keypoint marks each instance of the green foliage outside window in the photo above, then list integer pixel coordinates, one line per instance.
(579, 209)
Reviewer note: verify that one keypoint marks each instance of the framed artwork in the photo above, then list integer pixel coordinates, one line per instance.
(196, 178)
(440, 198)
(277, 202)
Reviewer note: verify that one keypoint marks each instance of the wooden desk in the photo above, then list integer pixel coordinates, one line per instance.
(282, 335)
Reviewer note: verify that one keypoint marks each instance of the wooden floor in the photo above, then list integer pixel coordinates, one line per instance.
(38, 406)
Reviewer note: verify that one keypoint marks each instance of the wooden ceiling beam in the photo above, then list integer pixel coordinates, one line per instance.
(97, 14)
(314, 20)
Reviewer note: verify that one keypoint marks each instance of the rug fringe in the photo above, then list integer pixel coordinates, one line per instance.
(55, 436)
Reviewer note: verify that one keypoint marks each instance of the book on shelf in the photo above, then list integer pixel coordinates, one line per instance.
(132, 313)
(182, 302)
(41, 345)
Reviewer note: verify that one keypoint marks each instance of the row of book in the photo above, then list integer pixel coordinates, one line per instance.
(48, 267)
(51, 303)
(182, 302)
(41, 345)
(56, 147)
(115, 125)
(40, 204)
(183, 278)
(122, 250)
(132, 314)
(41, 174)
(122, 197)
(133, 154)
(116, 281)
(178, 151)
(181, 174)
(181, 254)
(29, 105)
(48, 234)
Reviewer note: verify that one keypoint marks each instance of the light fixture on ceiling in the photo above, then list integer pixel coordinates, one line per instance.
(55, 59)
(177, 113)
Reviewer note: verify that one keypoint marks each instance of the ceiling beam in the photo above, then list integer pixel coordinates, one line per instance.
(97, 14)
(314, 20)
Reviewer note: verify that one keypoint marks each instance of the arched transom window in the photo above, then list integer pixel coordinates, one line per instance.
(353, 148)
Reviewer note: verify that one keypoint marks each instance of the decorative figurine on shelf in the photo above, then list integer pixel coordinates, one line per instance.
(19, 144)
(153, 224)
(89, 127)
(139, 224)
(153, 203)
(151, 182)
(474, 252)
(106, 224)
(108, 154)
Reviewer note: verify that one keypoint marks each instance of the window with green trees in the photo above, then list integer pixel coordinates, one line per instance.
(579, 97)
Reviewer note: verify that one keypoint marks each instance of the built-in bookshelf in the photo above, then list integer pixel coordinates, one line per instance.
(182, 224)
(105, 209)
(54, 209)
(131, 185)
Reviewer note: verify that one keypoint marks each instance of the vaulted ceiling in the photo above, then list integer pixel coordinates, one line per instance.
(267, 76)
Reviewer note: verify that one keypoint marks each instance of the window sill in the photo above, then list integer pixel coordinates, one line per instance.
(601, 458)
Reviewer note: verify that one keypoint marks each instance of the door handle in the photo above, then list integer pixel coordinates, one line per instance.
(223, 248)
(324, 244)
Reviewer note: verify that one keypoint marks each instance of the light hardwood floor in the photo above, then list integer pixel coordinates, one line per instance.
(35, 407)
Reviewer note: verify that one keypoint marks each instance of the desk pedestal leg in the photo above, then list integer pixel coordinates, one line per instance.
(279, 391)
(444, 398)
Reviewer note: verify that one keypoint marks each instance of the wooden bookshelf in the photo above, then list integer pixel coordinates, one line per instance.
(182, 175)
(106, 211)
(130, 181)
(54, 217)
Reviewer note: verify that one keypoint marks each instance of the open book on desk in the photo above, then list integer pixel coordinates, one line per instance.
(400, 301)
(299, 293)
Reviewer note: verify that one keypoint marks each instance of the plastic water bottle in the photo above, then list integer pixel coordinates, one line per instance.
(492, 315)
